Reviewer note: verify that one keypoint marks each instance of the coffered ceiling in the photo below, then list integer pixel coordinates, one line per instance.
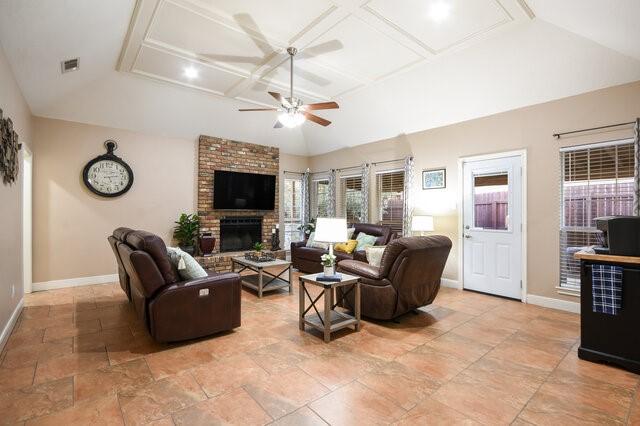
(238, 47)
(394, 66)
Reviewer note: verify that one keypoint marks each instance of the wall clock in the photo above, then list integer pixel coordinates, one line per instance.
(108, 175)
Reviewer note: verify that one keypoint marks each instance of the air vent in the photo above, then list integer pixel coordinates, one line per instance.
(70, 65)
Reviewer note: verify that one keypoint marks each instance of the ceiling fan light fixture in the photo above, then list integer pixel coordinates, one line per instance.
(291, 119)
(439, 10)
(191, 73)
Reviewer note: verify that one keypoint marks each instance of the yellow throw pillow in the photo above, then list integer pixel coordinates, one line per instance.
(347, 247)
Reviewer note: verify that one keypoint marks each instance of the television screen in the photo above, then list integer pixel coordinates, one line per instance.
(243, 191)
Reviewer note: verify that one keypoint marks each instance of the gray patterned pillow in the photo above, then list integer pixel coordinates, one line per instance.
(188, 267)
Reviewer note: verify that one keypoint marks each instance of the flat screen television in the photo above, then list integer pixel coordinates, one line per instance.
(243, 191)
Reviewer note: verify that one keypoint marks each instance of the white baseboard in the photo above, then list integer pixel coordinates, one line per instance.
(446, 282)
(74, 282)
(548, 302)
(8, 328)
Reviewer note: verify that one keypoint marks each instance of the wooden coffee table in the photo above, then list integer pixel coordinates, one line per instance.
(256, 281)
(329, 320)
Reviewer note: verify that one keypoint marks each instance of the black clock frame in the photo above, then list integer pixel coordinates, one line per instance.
(109, 156)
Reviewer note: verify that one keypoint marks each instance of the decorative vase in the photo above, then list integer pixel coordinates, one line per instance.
(207, 244)
(330, 271)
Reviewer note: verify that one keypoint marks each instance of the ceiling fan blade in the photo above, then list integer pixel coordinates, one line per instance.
(258, 109)
(253, 60)
(278, 125)
(321, 105)
(319, 120)
(320, 49)
(249, 26)
(278, 97)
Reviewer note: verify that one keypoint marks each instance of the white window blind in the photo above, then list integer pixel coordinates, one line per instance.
(320, 198)
(351, 198)
(292, 211)
(597, 180)
(390, 196)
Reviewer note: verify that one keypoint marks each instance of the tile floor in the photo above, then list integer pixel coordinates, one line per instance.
(79, 356)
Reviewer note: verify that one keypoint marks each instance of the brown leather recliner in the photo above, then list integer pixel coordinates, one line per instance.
(408, 277)
(119, 236)
(307, 259)
(173, 309)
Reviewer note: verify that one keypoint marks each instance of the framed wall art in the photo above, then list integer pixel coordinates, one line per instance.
(434, 178)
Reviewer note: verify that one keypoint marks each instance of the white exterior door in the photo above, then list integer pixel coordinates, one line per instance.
(492, 226)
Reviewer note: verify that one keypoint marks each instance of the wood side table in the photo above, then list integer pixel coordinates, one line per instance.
(329, 320)
(257, 281)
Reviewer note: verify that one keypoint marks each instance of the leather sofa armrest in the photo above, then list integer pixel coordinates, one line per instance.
(298, 244)
(362, 269)
(360, 255)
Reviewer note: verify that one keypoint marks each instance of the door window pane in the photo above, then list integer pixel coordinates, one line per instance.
(491, 201)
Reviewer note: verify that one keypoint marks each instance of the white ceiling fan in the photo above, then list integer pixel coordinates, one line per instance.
(293, 112)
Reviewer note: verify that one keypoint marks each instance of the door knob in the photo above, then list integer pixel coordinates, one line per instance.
(467, 236)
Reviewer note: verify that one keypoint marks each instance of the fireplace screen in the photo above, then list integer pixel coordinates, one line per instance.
(239, 233)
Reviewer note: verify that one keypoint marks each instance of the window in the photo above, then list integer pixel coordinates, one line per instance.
(292, 211)
(597, 180)
(390, 196)
(491, 201)
(352, 198)
(320, 198)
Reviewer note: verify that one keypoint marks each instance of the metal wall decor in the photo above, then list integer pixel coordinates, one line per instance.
(9, 147)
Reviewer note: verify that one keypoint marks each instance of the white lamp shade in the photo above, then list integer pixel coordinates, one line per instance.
(331, 230)
(422, 223)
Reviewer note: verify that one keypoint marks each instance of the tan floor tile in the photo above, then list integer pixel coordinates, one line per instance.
(16, 378)
(279, 356)
(69, 365)
(101, 339)
(24, 338)
(461, 347)
(101, 411)
(436, 365)
(548, 328)
(301, 417)
(112, 379)
(339, 367)
(217, 377)
(356, 401)
(432, 412)
(160, 399)
(375, 346)
(141, 345)
(39, 352)
(284, 393)
(43, 323)
(71, 330)
(602, 372)
(546, 409)
(399, 383)
(35, 401)
(479, 332)
(35, 312)
(233, 408)
(172, 361)
(634, 413)
(532, 350)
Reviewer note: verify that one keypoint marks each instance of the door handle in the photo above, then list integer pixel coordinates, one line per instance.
(467, 236)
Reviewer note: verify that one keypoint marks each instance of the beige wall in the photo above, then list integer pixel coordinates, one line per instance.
(14, 106)
(529, 128)
(71, 224)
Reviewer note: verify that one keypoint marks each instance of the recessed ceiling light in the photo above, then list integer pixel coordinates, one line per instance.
(191, 73)
(439, 10)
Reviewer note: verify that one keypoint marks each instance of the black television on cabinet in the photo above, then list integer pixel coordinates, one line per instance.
(243, 191)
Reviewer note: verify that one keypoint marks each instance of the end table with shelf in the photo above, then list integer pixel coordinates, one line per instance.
(329, 320)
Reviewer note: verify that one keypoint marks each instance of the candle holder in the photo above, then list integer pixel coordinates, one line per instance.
(275, 241)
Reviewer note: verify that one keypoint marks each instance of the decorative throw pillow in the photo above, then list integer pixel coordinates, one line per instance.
(312, 243)
(374, 255)
(188, 267)
(347, 247)
(350, 232)
(365, 240)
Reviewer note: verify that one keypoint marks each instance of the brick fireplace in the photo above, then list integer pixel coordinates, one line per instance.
(221, 154)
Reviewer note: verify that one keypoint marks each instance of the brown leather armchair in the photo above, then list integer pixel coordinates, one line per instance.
(118, 237)
(408, 277)
(307, 259)
(173, 309)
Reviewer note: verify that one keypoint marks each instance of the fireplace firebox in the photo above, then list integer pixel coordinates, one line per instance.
(239, 233)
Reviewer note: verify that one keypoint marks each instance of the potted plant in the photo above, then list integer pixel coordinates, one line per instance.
(186, 232)
(308, 228)
(258, 247)
(329, 263)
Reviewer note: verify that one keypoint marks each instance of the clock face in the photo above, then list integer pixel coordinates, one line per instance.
(108, 177)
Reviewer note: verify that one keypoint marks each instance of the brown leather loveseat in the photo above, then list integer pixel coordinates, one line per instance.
(173, 309)
(408, 277)
(307, 259)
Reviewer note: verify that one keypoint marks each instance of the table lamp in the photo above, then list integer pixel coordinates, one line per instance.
(422, 224)
(331, 230)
